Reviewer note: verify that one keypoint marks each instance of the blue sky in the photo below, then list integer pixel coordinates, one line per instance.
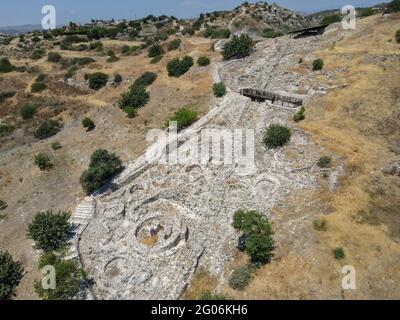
(18, 12)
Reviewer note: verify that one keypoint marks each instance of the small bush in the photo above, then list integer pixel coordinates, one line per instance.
(339, 253)
(130, 111)
(318, 64)
(300, 115)
(174, 44)
(238, 47)
(156, 50)
(125, 49)
(177, 67)
(38, 87)
(11, 273)
(56, 145)
(209, 296)
(277, 136)
(136, 97)
(240, 278)
(6, 95)
(320, 225)
(367, 12)
(40, 78)
(398, 36)
(37, 54)
(6, 129)
(156, 59)
(70, 278)
(269, 33)
(3, 205)
(47, 129)
(325, 162)
(112, 58)
(219, 89)
(43, 161)
(88, 124)
(54, 57)
(203, 61)
(5, 65)
(49, 230)
(117, 78)
(145, 79)
(184, 118)
(331, 19)
(102, 167)
(97, 80)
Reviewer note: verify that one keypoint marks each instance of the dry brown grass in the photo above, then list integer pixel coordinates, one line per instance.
(202, 282)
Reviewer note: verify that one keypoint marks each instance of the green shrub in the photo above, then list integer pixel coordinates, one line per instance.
(11, 273)
(398, 36)
(320, 225)
(156, 59)
(258, 232)
(97, 45)
(54, 57)
(339, 253)
(215, 33)
(318, 64)
(331, 19)
(102, 167)
(97, 80)
(50, 231)
(6, 129)
(203, 61)
(277, 136)
(6, 95)
(43, 161)
(3, 205)
(269, 33)
(174, 44)
(70, 278)
(156, 50)
(5, 65)
(88, 124)
(325, 162)
(112, 58)
(56, 145)
(37, 54)
(219, 89)
(177, 67)
(238, 47)
(81, 61)
(240, 278)
(47, 129)
(117, 78)
(125, 49)
(38, 87)
(209, 296)
(367, 12)
(300, 115)
(130, 111)
(145, 79)
(40, 78)
(136, 97)
(184, 117)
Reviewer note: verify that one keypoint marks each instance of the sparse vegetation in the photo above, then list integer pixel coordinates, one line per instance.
(97, 80)
(219, 89)
(366, 12)
(216, 33)
(6, 95)
(70, 278)
(331, 19)
(300, 115)
(11, 273)
(339, 253)
(320, 225)
(146, 79)
(269, 33)
(240, 278)
(47, 129)
(49, 230)
(174, 44)
(6, 129)
(3, 205)
(88, 124)
(103, 165)
(156, 50)
(177, 67)
(156, 59)
(37, 54)
(325, 162)
(56, 145)
(184, 117)
(398, 36)
(117, 78)
(209, 296)
(318, 64)
(394, 6)
(38, 87)
(5, 65)
(136, 97)
(42, 160)
(239, 47)
(54, 57)
(203, 61)
(277, 136)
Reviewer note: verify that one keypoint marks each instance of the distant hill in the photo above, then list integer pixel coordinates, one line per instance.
(13, 30)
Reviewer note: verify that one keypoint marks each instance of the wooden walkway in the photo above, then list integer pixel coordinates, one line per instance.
(260, 95)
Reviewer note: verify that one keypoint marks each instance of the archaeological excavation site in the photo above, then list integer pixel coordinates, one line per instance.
(247, 154)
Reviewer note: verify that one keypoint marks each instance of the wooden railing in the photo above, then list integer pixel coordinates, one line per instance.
(275, 98)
